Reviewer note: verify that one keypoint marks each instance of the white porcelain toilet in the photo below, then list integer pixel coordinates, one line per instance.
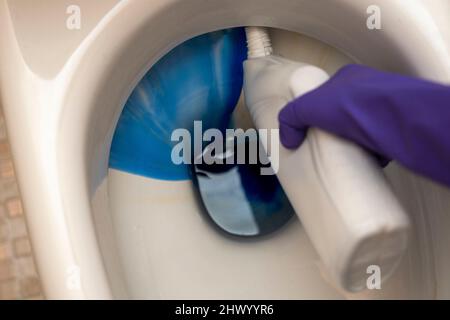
(100, 233)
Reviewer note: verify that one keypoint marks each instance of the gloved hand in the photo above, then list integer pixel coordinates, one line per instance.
(393, 116)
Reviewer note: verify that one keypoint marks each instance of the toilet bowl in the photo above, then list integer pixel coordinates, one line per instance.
(104, 233)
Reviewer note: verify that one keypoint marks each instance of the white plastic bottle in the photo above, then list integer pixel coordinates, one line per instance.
(339, 192)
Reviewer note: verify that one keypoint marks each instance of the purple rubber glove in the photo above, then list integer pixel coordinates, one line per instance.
(393, 116)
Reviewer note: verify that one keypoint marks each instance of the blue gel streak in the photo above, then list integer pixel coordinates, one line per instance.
(201, 79)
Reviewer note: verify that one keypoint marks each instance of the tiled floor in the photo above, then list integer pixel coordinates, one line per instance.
(18, 276)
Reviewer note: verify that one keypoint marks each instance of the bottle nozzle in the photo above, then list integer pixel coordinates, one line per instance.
(258, 42)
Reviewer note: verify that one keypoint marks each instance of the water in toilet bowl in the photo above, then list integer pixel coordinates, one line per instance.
(237, 198)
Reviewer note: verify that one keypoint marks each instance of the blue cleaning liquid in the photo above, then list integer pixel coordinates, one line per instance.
(201, 79)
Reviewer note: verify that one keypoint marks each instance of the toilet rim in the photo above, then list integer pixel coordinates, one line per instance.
(110, 62)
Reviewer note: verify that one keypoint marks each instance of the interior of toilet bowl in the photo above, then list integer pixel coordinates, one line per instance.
(200, 261)
(176, 252)
(154, 242)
